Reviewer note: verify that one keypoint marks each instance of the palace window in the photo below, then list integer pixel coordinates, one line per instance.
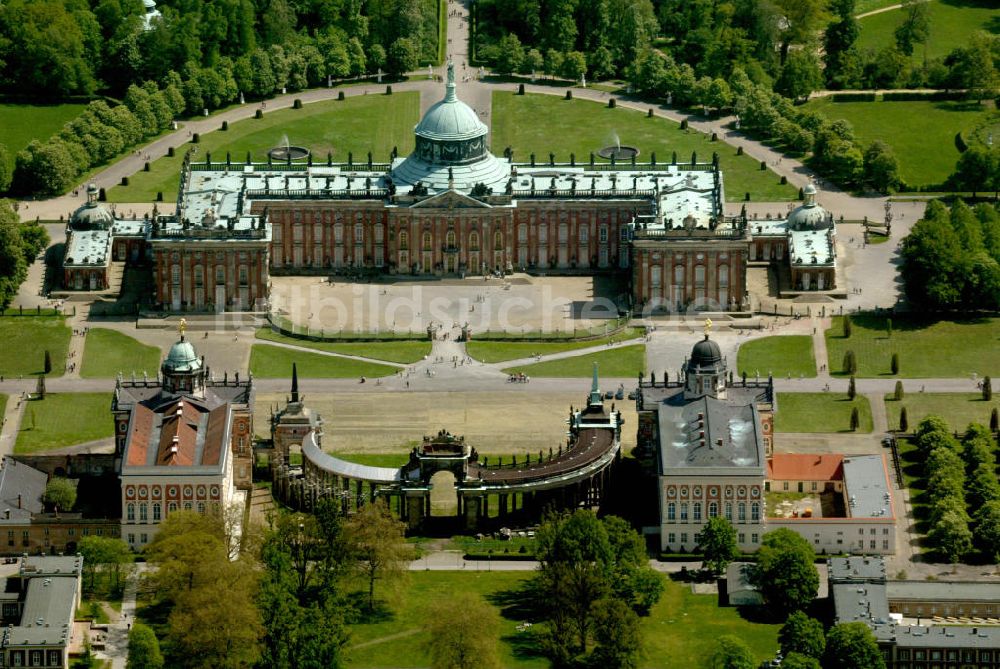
(724, 276)
(713, 509)
(379, 233)
(522, 233)
(679, 275)
(317, 234)
(187, 506)
(243, 275)
(276, 233)
(171, 507)
(563, 233)
(755, 512)
(338, 233)
(201, 507)
(404, 241)
(655, 276)
(450, 239)
(427, 241)
(498, 240)
(699, 276)
(143, 513)
(543, 234)
(130, 512)
(697, 511)
(474, 241)
(671, 511)
(220, 274)
(729, 511)
(742, 511)
(684, 512)
(156, 512)
(583, 232)
(175, 275)
(359, 233)
(199, 276)
(603, 233)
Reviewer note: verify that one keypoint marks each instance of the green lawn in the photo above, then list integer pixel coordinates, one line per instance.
(922, 133)
(626, 361)
(403, 351)
(64, 419)
(273, 362)
(952, 21)
(25, 340)
(23, 123)
(543, 123)
(779, 356)
(820, 412)
(107, 352)
(358, 124)
(681, 630)
(958, 409)
(926, 348)
(498, 351)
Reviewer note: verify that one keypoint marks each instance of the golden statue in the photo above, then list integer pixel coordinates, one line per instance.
(708, 327)
(183, 327)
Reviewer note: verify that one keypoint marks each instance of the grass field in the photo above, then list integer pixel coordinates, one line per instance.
(912, 129)
(273, 362)
(952, 21)
(779, 356)
(358, 124)
(623, 362)
(958, 409)
(23, 123)
(927, 349)
(499, 351)
(107, 352)
(820, 412)
(667, 632)
(539, 124)
(64, 419)
(25, 340)
(403, 352)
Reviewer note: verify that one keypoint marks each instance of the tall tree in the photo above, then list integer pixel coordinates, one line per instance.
(376, 542)
(143, 648)
(463, 631)
(916, 26)
(732, 653)
(802, 634)
(718, 542)
(802, 19)
(785, 572)
(852, 645)
(838, 42)
(13, 268)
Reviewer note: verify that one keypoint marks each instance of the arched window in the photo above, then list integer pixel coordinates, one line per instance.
(697, 511)
(359, 233)
(671, 511)
(130, 512)
(729, 511)
(427, 241)
(187, 506)
(699, 276)
(156, 511)
(713, 509)
(723, 276)
(474, 241)
(755, 512)
(201, 507)
(498, 240)
(171, 507)
(404, 241)
(655, 276)
(742, 509)
(143, 513)
(684, 512)
(450, 239)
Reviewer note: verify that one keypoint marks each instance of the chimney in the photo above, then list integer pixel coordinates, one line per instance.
(19, 500)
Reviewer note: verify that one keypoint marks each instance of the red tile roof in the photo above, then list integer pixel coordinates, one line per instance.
(173, 430)
(805, 467)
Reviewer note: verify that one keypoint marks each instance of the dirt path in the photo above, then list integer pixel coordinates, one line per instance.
(387, 638)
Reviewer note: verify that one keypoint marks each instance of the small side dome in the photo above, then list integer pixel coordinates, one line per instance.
(93, 215)
(809, 215)
(182, 359)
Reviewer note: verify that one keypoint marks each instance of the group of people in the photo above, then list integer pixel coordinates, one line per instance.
(520, 377)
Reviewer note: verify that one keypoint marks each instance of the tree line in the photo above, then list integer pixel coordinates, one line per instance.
(56, 48)
(951, 258)
(20, 243)
(963, 492)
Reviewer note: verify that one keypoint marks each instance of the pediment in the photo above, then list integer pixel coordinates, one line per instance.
(450, 199)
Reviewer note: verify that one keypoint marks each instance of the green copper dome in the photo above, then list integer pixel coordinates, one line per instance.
(450, 119)
(809, 215)
(182, 358)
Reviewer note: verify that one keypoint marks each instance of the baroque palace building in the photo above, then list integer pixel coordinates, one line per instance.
(452, 208)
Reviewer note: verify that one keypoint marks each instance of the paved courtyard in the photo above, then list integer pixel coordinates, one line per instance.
(515, 303)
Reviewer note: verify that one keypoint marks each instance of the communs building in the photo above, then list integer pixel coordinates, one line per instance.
(861, 592)
(453, 208)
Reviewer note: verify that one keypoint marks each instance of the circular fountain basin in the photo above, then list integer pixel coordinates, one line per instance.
(285, 153)
(618, 152)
